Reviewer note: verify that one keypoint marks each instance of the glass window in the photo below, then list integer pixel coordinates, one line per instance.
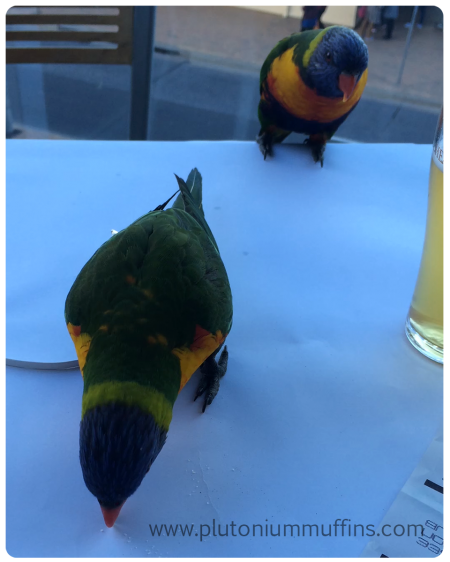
(205, 65)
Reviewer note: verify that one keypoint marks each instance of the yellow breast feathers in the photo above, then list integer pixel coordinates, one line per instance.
(287, 87)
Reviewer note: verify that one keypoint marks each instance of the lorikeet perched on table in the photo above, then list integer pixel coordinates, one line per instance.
(309, 84)
(151, 306)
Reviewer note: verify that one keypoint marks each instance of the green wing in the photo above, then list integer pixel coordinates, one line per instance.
(300, 40)
(164, 270)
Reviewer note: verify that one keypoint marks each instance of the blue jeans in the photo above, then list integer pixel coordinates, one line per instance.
(308, 24)
(422, 11)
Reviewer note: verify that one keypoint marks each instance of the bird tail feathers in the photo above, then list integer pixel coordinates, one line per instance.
(194, 185)
(190, 200)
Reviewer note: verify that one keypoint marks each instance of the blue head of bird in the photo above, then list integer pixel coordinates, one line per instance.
(337, 63)
(118, 444)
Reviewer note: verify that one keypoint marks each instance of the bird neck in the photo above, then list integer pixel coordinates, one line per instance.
(148, 377)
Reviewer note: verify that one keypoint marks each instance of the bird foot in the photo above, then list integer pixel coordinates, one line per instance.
(212, 372)
(265, 144)
(318, 150)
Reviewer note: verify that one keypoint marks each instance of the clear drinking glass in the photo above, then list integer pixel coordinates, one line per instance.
(424, 324)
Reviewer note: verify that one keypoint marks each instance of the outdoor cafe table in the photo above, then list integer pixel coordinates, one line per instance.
(325, 409)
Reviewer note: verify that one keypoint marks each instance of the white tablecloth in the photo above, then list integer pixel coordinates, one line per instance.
(325, 409)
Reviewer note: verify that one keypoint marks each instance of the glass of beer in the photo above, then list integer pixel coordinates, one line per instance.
(424, 324)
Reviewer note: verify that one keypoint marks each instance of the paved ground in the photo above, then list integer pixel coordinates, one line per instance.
(210, 89)
(245, 37)
(189, 100)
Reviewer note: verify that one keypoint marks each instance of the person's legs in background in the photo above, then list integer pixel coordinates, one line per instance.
(360, 28)
(369, 30)
(422, 11)
(389, 28)
(306, 25)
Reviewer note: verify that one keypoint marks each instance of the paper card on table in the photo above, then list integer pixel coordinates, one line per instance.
(413, 526)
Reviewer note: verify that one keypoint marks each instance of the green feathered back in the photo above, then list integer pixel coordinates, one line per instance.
(155, 281)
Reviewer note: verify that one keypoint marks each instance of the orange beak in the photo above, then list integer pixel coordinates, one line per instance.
(110, 515)
(347, 83)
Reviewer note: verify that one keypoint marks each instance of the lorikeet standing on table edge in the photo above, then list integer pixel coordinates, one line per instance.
(151, 306)
(309, 84)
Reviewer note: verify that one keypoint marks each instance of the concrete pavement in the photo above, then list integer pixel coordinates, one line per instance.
(243, 38)
(190, 99)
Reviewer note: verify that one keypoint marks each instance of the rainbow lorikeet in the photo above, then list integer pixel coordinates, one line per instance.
(309, 84)
(151, 306)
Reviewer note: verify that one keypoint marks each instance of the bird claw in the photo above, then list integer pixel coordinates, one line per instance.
(265, 145)
(318, 153)
(318, 150)
(212, 372)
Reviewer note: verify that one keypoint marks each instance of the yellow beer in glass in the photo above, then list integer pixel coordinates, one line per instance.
(425, 323)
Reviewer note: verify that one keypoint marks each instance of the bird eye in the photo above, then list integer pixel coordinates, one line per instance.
(328, 56)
